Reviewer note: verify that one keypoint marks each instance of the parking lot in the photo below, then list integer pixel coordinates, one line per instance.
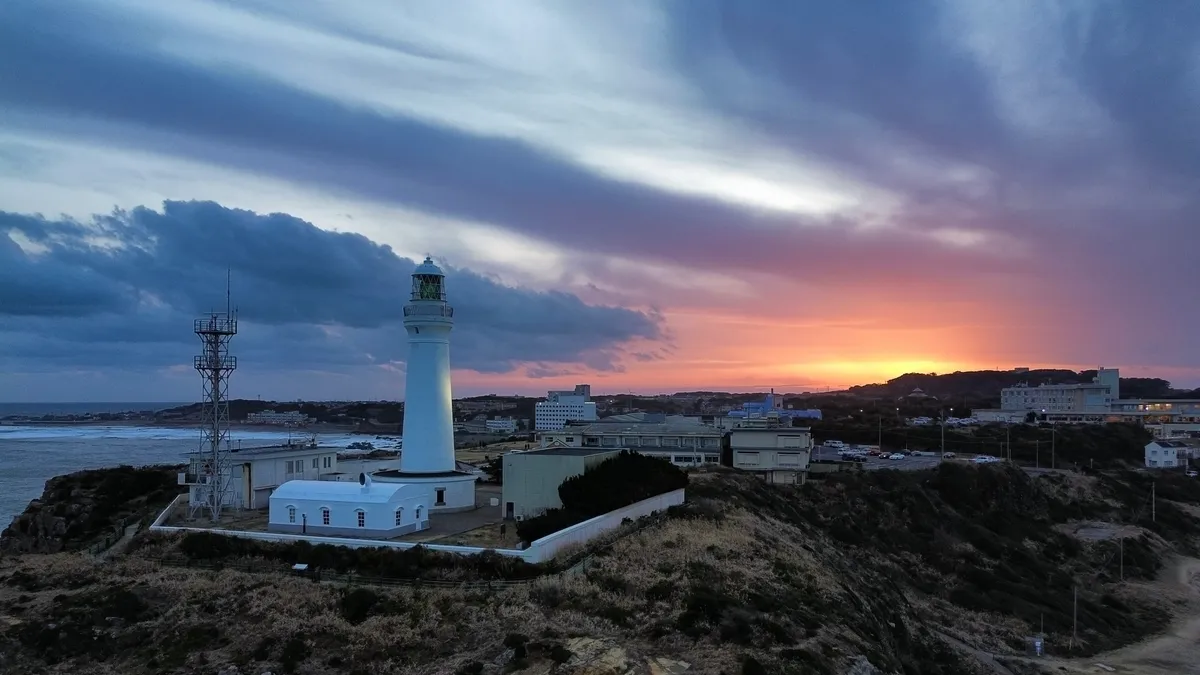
(909, 463)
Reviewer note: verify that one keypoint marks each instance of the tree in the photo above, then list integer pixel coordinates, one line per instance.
(495, 469)
(1031, 417)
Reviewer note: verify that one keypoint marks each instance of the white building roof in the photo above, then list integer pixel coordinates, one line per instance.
(338, 491)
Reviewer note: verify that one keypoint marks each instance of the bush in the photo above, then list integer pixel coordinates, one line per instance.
(618, 482)
(417, 562)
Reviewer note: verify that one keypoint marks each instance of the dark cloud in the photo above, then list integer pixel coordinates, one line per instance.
(122, 289)
(1092, 228)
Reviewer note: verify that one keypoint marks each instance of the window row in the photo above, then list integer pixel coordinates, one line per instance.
(360, 516)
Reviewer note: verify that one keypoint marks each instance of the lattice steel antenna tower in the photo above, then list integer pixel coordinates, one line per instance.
(211, 469)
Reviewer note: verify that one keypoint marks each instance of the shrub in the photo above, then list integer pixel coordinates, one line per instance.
(356, 605)
(615, 483)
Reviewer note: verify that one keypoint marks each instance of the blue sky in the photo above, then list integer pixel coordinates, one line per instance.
(644, 195)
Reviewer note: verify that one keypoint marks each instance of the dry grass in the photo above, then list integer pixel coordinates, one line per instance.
(487, 536)
(713, 587)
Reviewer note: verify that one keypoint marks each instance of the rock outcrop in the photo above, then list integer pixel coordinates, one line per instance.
(81, 508)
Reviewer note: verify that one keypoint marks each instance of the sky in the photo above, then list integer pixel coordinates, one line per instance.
(645, 195)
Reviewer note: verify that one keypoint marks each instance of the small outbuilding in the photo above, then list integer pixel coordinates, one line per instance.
(364, 509)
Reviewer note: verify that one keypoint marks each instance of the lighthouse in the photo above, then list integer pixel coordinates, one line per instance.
(427, 453)
(428, 407)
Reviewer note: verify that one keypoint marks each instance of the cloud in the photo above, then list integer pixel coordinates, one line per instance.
(121, 290)
(1017, 177)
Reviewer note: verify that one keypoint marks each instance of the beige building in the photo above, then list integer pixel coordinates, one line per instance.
(531, 478)
(681, 443)
(778, 455)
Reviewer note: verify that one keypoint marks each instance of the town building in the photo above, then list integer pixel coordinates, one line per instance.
(290, 418)
(1168, 454)
(681, 443)
(365, 509)
(563, 407)
(779, 455)
(427, 459)
(1094, 397)
(254, 473)
(531, 478)
(501, 425)
(772, 406)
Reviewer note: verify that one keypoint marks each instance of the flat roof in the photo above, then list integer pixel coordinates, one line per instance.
(260, 450)
(644, 429)
(568, 452)
(776, 430)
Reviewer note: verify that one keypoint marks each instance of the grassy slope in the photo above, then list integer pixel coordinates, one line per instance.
(748, 578)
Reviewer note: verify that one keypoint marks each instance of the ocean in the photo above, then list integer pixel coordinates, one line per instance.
(39, 409)
(30, 455)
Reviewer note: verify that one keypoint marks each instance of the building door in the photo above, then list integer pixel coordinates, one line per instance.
(440, 497)
(509, 510)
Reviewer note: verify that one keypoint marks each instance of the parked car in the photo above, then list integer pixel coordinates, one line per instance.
(986, 459)
(948, 455)
(896, 455)
(1191, 473)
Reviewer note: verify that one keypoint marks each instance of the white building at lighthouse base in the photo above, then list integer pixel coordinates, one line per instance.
(448, 491)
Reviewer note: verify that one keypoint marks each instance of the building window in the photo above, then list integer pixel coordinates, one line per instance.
(440, 497)
(400, 516)
(315, 463)
(291, 514)
(418, 513)
(362, 518)
(324, 516)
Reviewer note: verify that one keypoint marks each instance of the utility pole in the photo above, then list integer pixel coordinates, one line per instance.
(1008, 439)
(1153, 503)
(880, 432)
(1053, 435)
(943, 452)
(1122, 541)
(1075, 618)
(1037, 453)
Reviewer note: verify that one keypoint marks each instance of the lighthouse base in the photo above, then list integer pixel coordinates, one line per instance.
(449, 491)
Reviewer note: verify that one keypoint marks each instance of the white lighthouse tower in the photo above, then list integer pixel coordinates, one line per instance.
(427, 454)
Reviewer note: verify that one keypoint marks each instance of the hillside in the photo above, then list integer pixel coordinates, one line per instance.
(986, 384)
(895, 569)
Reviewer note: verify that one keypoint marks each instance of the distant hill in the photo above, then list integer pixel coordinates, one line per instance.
(988, 383)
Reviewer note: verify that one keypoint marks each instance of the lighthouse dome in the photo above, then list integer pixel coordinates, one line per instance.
(427, 268)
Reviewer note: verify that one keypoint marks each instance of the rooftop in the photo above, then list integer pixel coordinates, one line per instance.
(774, 430)
(645, 429)
(373, 493)
(567, 452)
(271, 449)
(1179, 443)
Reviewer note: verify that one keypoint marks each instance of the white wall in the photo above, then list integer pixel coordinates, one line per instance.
(547, 547)
(540, 550)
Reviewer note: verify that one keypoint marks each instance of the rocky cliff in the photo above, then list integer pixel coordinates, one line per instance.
(78, 509)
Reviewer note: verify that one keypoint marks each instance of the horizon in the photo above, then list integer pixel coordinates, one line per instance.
(646, 195)
(734, 391)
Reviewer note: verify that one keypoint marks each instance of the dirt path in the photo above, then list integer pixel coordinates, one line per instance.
(120, 544)
(1177, 652)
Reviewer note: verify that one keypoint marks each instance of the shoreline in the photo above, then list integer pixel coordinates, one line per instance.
(152, 424)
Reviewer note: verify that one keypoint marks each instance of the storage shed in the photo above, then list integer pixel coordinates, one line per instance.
(364, 509)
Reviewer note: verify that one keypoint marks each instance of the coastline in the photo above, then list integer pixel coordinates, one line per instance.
(322, 428)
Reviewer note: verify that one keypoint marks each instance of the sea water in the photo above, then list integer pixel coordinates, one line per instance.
(32, 454)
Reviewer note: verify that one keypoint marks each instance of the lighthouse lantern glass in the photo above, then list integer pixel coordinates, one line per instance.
(428, 287)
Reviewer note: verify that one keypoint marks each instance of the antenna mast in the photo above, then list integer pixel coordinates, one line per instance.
(210, 472)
